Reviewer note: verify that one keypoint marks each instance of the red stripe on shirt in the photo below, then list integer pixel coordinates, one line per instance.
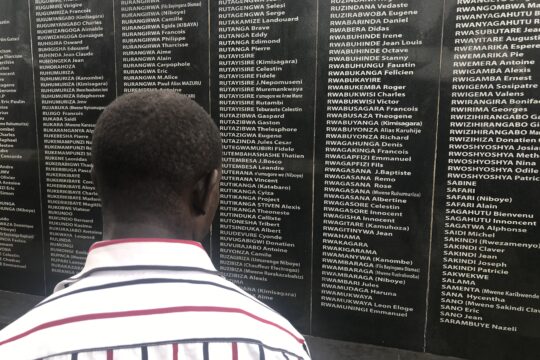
(174, 351)
(109, 355)
(234, 351)
(167, 310)
(104, 243)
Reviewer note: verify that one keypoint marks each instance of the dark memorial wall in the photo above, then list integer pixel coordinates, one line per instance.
(263, 59)
(484, 298)
(21, 237)
(162, 44)
(73, 81)
(377, 112)
(380, 158)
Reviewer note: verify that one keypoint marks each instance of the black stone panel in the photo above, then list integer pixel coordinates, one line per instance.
(485, 293)
(73, 48)
(263, 81)
(378, 186)
(163, 44)
(376, 121)
(21, 248)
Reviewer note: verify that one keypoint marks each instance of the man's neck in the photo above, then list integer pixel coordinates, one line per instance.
(143, 229)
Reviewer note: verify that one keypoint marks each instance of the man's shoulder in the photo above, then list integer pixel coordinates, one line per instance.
(209, 309)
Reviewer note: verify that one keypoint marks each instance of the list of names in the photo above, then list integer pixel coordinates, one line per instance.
(490, 229)
(161, 45)
(262, 107)
(73, 86)
(370, 124)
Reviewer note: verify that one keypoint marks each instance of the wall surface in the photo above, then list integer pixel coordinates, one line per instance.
(327, 349)
(380, 158)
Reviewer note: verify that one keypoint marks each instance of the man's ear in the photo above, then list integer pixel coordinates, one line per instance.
(94, 180)
(204, 193)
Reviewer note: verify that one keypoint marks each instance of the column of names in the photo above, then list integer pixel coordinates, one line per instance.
(20, 222)
(263, 105)
(162, 44)
(369, 126)
(493, 150)
(73, 86)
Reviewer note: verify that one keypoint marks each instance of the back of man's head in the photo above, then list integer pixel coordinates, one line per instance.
(149, 147)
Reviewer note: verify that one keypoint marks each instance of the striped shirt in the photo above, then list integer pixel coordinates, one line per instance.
(150, 299)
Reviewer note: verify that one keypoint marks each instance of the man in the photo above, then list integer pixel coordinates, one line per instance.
(149, 290)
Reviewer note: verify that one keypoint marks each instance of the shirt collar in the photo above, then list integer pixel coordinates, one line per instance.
(144, 252)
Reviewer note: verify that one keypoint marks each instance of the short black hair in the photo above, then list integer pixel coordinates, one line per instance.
(148, 145)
